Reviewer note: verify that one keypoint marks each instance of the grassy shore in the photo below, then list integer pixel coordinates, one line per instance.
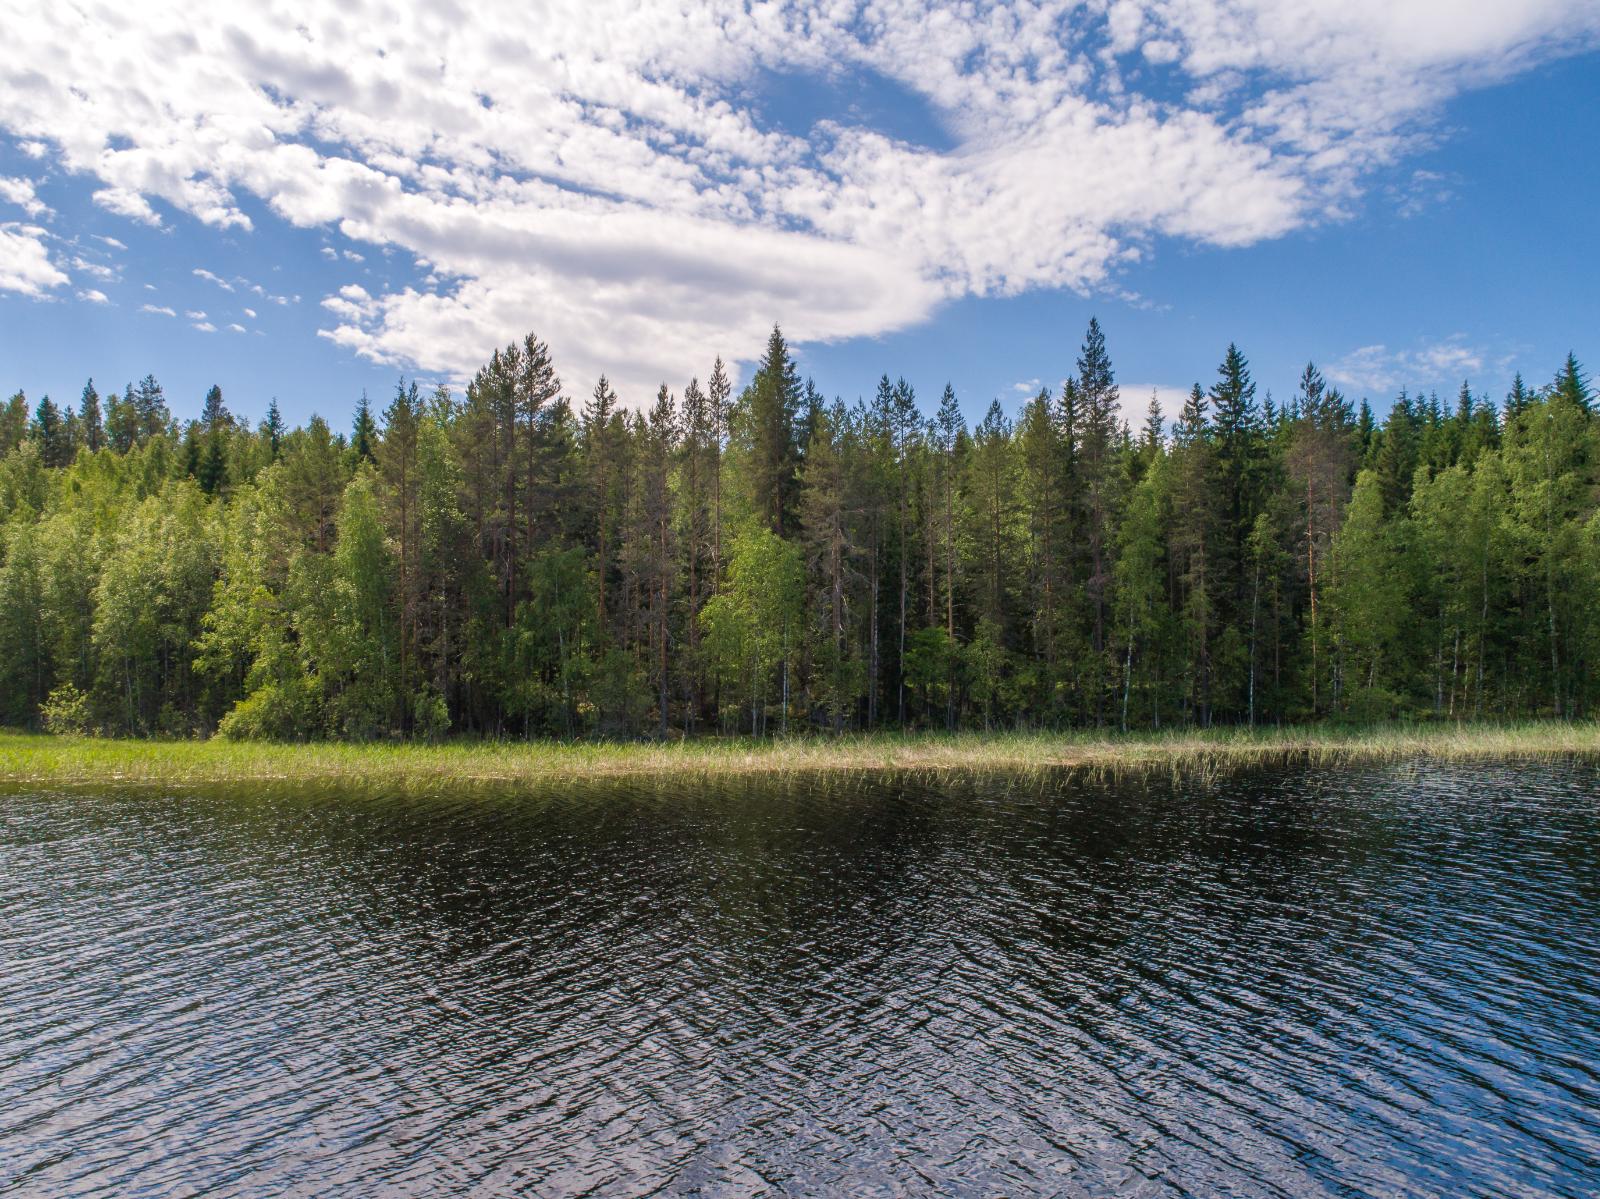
(35, 759)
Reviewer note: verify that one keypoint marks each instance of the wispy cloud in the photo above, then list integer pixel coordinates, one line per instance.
(97, 269)
(1421, 191)
(1377, 370)
(94, 295)
(202, 273)
(158, 310)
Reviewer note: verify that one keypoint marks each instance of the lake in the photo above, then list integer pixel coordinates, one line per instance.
(1347, 982)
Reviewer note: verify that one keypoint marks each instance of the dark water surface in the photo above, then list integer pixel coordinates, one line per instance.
(1377, 982)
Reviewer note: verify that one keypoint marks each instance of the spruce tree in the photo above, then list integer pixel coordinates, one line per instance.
(272, 428)
(214, 413)
(1571, 383)
(151, 416)
(93, 424)
(364, 433)
(49, 431)
(1101, 471)
(773, 401)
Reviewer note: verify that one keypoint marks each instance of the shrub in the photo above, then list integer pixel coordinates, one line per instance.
(66, 711)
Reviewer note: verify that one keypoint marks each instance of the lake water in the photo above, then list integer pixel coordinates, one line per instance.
(1373, 982)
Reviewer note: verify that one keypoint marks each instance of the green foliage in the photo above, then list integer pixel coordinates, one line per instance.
(494, 565)
(753, 627)
(66, 711)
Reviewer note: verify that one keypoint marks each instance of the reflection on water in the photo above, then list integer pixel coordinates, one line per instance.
(1357, 983)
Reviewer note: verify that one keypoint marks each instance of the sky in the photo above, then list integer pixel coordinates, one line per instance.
(307, 201)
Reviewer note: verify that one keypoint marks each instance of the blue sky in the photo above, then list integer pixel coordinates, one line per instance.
(905, 195)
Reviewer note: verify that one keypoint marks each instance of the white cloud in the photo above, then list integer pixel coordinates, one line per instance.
(195, 314)
(94, 295)
(158, 310)
(1376, 370)
(606, 175)
(97, 269)
(110, 241)
(202, 273)
(205, 326)
(250, 312)
(125, 202)
(20, 192)
(25, 264)
(236, 328)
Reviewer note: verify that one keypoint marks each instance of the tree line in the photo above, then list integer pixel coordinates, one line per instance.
(504, 563)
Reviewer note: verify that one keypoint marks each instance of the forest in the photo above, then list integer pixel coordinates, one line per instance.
(507, 563)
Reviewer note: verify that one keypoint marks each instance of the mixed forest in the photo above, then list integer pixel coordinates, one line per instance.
(508, 563)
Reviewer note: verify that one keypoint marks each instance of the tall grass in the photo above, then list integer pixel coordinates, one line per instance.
(37, 759)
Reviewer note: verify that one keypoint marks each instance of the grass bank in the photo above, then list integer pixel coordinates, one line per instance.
(27, 758)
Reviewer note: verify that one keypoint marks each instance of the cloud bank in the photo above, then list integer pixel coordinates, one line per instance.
(607, 172)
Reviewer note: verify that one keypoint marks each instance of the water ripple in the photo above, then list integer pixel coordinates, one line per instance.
(1372, 982)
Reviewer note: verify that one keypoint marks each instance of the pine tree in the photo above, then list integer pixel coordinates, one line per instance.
(123, 425)
(1199, 509)
(211, 471)
(659, 442)
(49, 431)
(273, 430)
(825, 533)
(1571, 384)
(1141, 574)
(600, 442)
(991, 491)
(94, 432)
(399, 478)
(1518, 398)
(214, 413)
(697, 471)
(772, 401)
(901, 419)
(1397, 454)
(1319, 463)
(1051, 605)
(151, 417)
(363, 434)
(312, 480)
(1101, 471)
(718, 390)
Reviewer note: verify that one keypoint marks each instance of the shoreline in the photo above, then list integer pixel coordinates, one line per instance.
(41, 759)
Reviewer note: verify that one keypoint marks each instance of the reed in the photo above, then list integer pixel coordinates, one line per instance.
(27, 758)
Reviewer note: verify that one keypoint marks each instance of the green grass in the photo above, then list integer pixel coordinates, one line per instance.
(27, 758)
